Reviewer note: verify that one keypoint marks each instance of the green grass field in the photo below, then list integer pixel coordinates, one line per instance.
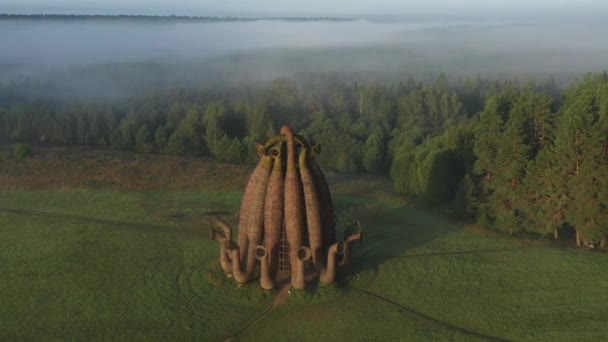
(138, 265)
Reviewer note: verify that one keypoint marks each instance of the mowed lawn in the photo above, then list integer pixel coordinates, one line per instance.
(113, 265)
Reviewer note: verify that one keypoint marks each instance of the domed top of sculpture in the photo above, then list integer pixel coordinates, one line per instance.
(286, 221)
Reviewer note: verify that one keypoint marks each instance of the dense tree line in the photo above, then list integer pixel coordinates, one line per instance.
(516, 157)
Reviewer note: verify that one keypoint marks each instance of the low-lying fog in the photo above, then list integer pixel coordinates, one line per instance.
(278, 47)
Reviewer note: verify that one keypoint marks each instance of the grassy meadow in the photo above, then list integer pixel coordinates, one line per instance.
(99, 245)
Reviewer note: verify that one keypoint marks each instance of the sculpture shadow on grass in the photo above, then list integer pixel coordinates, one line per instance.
(391, 231)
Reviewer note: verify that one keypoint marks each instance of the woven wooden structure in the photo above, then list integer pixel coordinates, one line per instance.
(286, 221)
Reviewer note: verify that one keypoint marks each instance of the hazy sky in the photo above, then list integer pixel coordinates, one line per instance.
(308, 7)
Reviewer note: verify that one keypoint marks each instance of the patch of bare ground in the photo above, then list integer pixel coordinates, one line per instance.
(88, 168)
(79, 167)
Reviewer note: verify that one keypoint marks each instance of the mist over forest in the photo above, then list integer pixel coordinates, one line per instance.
(467, 113)
(99, 57)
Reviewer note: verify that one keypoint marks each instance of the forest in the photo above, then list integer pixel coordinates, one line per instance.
(520, 157)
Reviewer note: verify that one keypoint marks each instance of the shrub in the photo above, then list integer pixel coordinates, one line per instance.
(22, 151)
(144, 141)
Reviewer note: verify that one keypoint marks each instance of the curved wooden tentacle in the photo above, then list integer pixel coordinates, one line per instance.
(351, 236)
(255, 219)
(273, 211)
(303, 255)
(239, 274)
(313, 211)
(328, 273)
(250, 188)
(266, 280)
(225, 261)
(224, 226)
(293, 201)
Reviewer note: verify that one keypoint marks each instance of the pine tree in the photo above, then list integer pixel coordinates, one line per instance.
(189, 135)
(213, 120)
(373, 161)
(582, 142)
(510, 163)
(545, 194)
(487, 140)
(257, 120)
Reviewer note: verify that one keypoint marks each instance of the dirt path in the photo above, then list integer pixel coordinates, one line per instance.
(282, 293)
(283, 286)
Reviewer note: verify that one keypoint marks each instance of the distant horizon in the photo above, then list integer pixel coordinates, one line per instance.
(4, 14)
(383, 17)
(395, 9)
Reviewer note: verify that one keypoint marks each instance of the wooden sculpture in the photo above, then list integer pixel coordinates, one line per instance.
(286, 221)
